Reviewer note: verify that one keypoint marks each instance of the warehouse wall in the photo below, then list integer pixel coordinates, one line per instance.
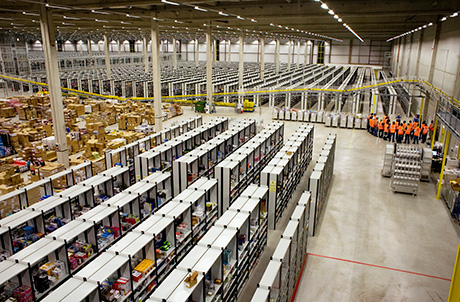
(370, 52)
(412, 57)
(347, 52)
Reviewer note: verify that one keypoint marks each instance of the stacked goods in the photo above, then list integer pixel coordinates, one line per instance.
(94, 146)
(50, 169)
(78, 108)
(133, 121)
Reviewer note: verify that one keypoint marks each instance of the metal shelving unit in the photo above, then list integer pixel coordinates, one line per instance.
(407, 166)
(285, 170)
(320, 180)
(279, 280)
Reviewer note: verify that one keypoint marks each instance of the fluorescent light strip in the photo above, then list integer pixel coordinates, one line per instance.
(71, 18)
(169, 2)
(57, 7)
(411, 31)
(223, 14)
(200, 9)
(99, 12)
(30, 14)
(356, 35)
(331, 12)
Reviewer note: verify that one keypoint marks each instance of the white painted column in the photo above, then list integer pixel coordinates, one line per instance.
(146, 56)
(90, 50)
(229, 55)
(197, 53)
(305, 61)
(241, 68)
(52, 75)
(209, 66)
(289, 54)
(298, 54)
(156, 76)
(107, 57)
(262, 56)
(90, 53)
(174, 53)
(214, 51)
(277, 56)
(119, 47)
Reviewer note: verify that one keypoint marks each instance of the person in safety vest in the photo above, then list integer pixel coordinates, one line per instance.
(407, 133)
(381, 128)
(416, 134)
(376, 126)
(425, 130)
(392, 132)
(386, 130)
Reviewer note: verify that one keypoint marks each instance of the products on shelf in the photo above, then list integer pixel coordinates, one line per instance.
(182, 230)
(191, 279)
(23, 293)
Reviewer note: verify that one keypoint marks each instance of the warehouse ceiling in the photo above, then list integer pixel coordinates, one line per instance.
(186, 20)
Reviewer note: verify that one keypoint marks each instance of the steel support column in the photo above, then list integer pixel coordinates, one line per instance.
(54, 88)
(108, 69)
(241, 69)
(156, 75)
(262, 56)
(209, 66)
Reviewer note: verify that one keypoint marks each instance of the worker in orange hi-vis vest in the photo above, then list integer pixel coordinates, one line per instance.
(413, 127)
(400, 136)
(425, 130)
(431, 129)
(407, 136)
(376, 127)
(381, 128)
(386, 130)
(417, 134)
(392, 132)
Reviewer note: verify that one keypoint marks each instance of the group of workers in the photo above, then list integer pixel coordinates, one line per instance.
(398, 131)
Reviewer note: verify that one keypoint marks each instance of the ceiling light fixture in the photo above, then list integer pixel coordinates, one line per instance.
(99, 12)
(444, 19)
(169, 2)
(324, 6)
(430, 24)
(239, 17)
(200, 9)
(331, 12)
(71, 18)
(336, 17)
(30, 14)
(223, 14)
(252, 20)
(57, 7)
(454, 15)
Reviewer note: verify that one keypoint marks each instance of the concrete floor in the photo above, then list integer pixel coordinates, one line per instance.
(385, 246)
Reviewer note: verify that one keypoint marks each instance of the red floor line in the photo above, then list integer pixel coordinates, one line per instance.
(384, 267)
(298, 279)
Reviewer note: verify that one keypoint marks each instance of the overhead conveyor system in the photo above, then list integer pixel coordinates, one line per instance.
(342, 101)
(358, 96)
(325, 78)
(388, 96)
(374, 102)
(334, 98)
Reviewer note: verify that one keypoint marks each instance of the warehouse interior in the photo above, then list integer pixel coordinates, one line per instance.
(227, 151)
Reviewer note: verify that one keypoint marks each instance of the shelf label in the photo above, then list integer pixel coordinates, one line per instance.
(272, 186)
